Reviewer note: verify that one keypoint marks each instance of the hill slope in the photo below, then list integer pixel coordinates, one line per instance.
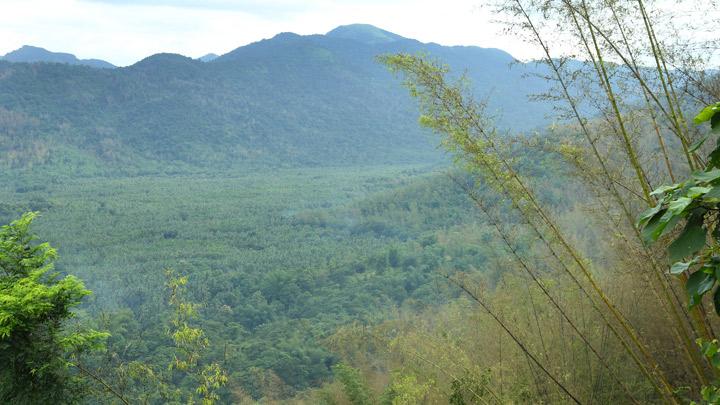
(287, 101)
(33, 54)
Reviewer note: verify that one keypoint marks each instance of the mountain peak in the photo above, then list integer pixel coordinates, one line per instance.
(209, 57)
(164, 60)
(365, 33)
(34, 54)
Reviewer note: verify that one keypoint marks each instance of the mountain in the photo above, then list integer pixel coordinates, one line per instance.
(208, 57)
(365, 33)
(290, 100)
(33, 54)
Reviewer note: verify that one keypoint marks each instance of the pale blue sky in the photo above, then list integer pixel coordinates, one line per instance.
(125, 31)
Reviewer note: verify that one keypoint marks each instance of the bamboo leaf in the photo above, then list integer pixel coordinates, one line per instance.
(698, 143)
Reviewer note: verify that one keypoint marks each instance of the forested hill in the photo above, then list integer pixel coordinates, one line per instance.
(33, 54)
(287, 101)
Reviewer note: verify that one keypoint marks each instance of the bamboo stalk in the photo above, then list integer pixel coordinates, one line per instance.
(604, 79)
(542, 287)
(605, 82)
(650, 110)
(512, 335)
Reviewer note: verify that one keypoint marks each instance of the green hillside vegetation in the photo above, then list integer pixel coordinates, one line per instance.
(34, 54)
(345, 245)
(273, 226)
(318, 100)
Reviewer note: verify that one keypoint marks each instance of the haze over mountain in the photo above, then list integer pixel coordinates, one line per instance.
(290, 100)
(33, 54)
(208, 57)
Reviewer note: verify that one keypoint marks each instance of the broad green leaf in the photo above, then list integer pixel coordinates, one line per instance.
(707, 176)
(664, 189)
(685, 187)
(655, 226)
(714, 158)
(697, 285)
(706, 392)
(670, 224)
(707, 113)
(676, 207)
(680, 267)
(716, 358)
(709, 349)
(695, 192)
(648, 214)
(690, 241)
(713, 193)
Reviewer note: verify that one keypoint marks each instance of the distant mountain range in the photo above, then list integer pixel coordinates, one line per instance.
(290, 100)
(33, 54)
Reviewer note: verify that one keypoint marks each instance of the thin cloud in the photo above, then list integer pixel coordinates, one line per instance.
(123, 32)
(259, 7)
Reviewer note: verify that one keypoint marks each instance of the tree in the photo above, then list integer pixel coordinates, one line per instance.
(354, 387)
(37, 349)
(624, 132)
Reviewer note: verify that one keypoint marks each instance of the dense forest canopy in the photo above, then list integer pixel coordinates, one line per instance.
(272, 225)
(291, 100)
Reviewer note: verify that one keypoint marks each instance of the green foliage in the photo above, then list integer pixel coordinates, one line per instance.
(289, 101)
(405, 390)
(709, 113)
(212, 379)
(354, 387)
(191, 344)
(189, 341)
(278, 260)
(188, 377)
(696, 201)
(468, 390)
(37, 348)
(710, 394)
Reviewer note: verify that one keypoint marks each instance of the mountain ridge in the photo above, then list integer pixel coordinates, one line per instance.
(366, 33)
(291, 100)
(34, 54)
(208, 57)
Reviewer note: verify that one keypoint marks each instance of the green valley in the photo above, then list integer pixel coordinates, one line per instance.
(278, 259)
(358, 217)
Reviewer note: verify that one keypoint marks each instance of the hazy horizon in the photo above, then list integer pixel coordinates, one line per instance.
(124, 32)
(197, 56)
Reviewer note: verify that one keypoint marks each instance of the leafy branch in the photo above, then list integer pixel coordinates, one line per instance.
(697, 201)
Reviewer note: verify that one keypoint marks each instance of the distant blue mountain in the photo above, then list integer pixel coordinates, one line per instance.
(33, 54)
(365, 33)
(209, 57)
(289, 100)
